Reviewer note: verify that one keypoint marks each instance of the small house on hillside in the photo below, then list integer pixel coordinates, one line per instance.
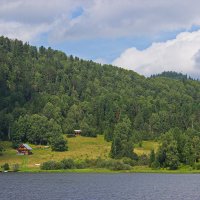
(77, 132)
(24, 149)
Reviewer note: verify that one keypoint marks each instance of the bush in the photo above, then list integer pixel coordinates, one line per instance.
(59, 144)
(197, 166)
(93, 163)
(117, 165)
(100, 163)
(51, 165)
(15, 167)
(112, 164)
(143, 160)
(129, 161)
(155, 164)
(5, 167)
(81, 164)
(67, 164)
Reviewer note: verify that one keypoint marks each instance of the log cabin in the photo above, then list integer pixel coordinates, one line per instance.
(77, 132)
(24, 149)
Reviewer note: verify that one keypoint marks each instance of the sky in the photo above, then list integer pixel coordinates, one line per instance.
(146, 36)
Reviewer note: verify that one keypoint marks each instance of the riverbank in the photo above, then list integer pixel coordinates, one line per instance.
(137, 169)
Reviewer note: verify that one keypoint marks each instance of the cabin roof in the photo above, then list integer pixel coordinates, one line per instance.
(27, 146)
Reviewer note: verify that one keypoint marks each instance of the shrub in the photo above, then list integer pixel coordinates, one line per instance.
(197, 166)
(129, 161)
(51, 165)
(59, 144)
(93, 163)
(118, 165)
(143, 160)
(15, 167)
(68, 164)
(100, 163)
(112, 164)
(5, 167)
(81, 164)
(155, 164)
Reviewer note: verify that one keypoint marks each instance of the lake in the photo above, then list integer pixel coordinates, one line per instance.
(92, 186)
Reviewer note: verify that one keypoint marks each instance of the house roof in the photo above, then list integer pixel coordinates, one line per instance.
(27, 146)
(77, 130)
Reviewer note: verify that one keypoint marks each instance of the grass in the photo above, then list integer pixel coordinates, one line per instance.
(79, 148)
(146, 147)
(136, 169)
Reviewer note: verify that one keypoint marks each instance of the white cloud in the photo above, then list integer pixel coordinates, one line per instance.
(28, 19)
(101, 18)
(100, 61)
(116, 18)
(25, 32)
(181, 54)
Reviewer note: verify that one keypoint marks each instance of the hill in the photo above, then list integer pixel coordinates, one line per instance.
(45, 94)
(67, 93)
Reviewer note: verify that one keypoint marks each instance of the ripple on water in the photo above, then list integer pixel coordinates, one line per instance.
(74, 186)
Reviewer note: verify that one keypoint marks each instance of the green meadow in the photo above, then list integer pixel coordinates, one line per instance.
(80, 148)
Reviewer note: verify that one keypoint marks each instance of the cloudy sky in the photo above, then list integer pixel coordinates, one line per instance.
(147, 36)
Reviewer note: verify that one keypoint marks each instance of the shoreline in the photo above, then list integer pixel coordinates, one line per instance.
(107, 171)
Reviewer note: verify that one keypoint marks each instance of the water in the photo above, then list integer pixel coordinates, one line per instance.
(124, 186)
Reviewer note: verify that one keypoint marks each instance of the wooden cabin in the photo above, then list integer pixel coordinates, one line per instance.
(77, 132)
(24, 149)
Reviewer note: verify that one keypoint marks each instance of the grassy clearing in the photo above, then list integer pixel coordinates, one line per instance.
(146, 147)
(79, 148)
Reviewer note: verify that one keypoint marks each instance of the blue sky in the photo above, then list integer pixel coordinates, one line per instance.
(147, 36)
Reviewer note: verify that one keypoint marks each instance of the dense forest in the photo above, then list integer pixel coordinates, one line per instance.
(44, 93)
(172, 75)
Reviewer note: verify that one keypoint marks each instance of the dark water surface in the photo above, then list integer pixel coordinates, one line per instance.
(74, 186)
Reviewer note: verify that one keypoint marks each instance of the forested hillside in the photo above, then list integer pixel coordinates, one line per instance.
(172, 75)
(44, 93)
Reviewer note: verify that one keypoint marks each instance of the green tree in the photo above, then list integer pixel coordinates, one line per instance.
(1, 150)
(122, 145)
(5, 167)
(52, 112)
(59, 144)
(152, 157)
(167, 154)
(172, 159)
